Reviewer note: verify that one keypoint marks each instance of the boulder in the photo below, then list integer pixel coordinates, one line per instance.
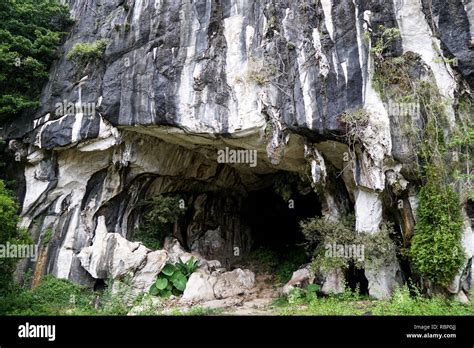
(200, 287)
(333, 282)
(111, 255)
(146, 276)
(301, 278)
(234, 283)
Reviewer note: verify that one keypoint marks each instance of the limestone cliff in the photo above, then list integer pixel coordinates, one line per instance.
(180, 80)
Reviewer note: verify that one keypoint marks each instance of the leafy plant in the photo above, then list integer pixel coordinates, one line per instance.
(189, 267)
(385, 38)
(355, 123)
(436, 248)
(48, 234)
(83, 54)
(9, 233)
(172, 279)
(321, 232)
(30, 32)
(285, 183)
(160, 213)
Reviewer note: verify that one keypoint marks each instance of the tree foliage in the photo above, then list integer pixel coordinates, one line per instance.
(161, 212)
(30, 32)
(84, 53)
(436, 248)
(9, 234)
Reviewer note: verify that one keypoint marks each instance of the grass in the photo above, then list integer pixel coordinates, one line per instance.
(282, 264)
(401, 304)
(61, 297)
(55, 296)
(194, 311)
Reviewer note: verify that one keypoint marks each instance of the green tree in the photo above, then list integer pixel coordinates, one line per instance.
(30, 32)
(436, 248)
(161, 212)
(9, 233)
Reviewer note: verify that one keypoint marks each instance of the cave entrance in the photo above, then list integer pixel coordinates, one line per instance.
(356, 280)
(277, 241)
(274, 222)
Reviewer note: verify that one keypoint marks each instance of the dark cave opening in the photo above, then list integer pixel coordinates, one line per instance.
(356, 280)
(274, 222)
(278, 245)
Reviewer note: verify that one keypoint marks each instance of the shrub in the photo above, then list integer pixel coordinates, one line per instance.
(172, 279)
(161, 212)
(83, 54)
(9, 234)
(385, 38)
(321, 232)
(51, 297)
(404, 303)
(285, 183)
(436, 248)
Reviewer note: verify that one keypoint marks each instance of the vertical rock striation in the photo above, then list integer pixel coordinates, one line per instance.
(180, 80)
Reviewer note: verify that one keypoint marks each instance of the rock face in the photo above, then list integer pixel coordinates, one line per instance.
(180, 80)
(301, 278)
(207, 287)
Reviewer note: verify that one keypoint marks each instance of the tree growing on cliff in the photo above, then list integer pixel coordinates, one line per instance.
(436, 249)
(9, 234)
(30, 32)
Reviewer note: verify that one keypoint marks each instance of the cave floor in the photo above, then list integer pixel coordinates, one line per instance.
(257, 301)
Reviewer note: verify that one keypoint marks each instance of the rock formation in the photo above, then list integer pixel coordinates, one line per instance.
(181, 80)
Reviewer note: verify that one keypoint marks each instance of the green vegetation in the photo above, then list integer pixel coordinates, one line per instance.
(9, 233)
(51, 297)
(436, 248)
(355, 123)
(302, 302)
(384, 39)
(161, 212)
(30, 32)
(61, 297)
(321, 232)
(48, 234)
(83, 54)
(281, 264)
(436, 251)
(404, 303)
(55, 296)
(285, 183)
(172, 279)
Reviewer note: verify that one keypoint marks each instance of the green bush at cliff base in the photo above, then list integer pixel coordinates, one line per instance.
(172, 279)
(436, 249)
(51, 297)
(9, 234)
(403, 302)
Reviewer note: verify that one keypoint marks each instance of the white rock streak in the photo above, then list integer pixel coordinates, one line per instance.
(327, 9)
(417, 37)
